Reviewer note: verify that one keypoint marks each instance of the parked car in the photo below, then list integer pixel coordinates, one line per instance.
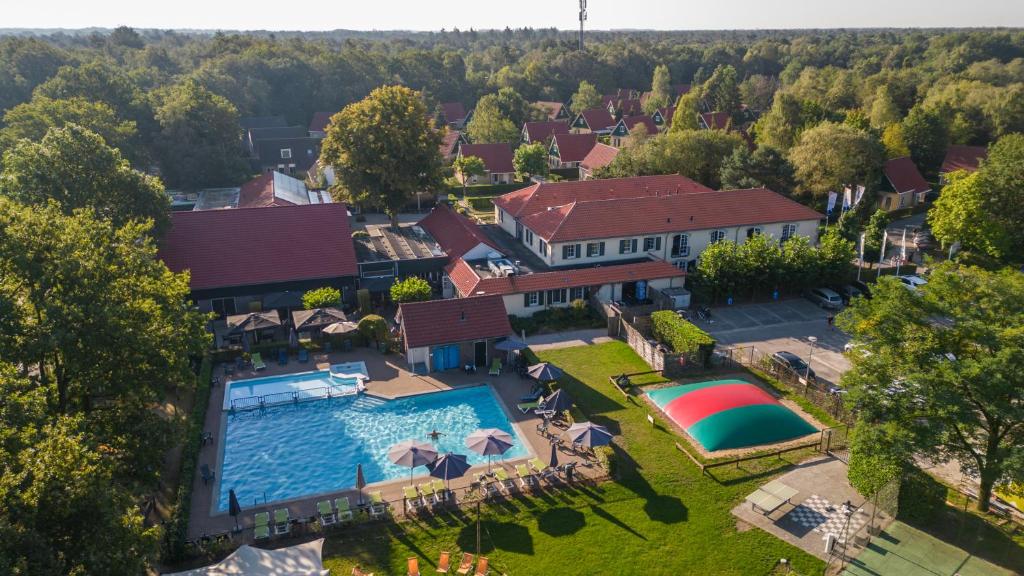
(848, 292)
(794, 363)
(865, 290)
(912, 282)
(825, 298)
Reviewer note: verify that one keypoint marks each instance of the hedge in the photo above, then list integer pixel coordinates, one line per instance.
(682, 336)
(176, 529)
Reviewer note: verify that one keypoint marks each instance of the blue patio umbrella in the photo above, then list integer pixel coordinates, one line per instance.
(488, 442)
(545, 372)
(360, 482)
(412, 453)
(510, 344)
(558, 401)
(589, 434)
(448, 466)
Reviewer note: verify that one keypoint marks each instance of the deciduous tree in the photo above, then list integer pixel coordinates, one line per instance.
(661, 90)
(530, 160)
(324, 297)
(585, 98)
(926, 136)
(411, 289)
(832, 155)
(467, 167)
(33, 119)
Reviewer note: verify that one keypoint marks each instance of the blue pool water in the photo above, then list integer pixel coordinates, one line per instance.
(313, 447)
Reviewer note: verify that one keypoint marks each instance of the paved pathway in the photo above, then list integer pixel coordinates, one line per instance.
(568, 339)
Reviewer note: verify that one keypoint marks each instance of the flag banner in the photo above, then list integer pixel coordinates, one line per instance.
(831, 202)
(860, 194)
(847, 198)
(860, 258)
(885, 239)
(903, 248)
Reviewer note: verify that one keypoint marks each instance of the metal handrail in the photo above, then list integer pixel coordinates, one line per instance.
(277, 398)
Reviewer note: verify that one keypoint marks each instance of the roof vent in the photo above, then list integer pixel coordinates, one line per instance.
(463, 315)
(691, 217)
(669, 219)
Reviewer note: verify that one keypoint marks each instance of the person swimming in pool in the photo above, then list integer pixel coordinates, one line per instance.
(435, 435)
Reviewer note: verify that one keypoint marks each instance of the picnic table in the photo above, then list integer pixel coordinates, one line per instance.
(771, 496)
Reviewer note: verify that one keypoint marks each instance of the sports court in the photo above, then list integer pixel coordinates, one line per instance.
(906, 551)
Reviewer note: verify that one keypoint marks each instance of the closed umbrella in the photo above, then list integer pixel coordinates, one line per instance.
(245, 342)
(488, 442)
(544, 372)
(233, 507)
(293, 339)
(589, 434)
(412, 454)
(360, 482)
(449, 466)
(553, 463)
(558, 401)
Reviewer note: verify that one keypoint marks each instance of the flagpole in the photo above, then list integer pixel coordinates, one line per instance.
(881, 255)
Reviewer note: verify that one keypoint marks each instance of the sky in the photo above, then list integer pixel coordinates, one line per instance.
(485, 14)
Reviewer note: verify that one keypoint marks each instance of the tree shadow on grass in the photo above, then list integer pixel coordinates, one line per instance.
(561, 521)
(604, 514)
(507, 536)
(659, 507)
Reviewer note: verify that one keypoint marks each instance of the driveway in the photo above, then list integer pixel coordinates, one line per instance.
(783, 325)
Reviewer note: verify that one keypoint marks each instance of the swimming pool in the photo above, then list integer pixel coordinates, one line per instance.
(340, 379)
(307, 448)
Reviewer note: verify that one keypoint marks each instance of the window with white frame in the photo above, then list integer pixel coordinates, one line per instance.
(529, 237)
(533, 299)
(788, 231)
(570, 251)
(627, 246)
(501, 215)
(652, 243)
(557, 296)
(717, 236)
(680, 245)
(286, 152)
(542, 247)
(595, 249)
(576, 294)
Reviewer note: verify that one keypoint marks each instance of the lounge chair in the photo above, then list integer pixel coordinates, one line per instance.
(526, 478)
(487, 486)
(357, 572)
(536, 393)
(481, 567)
(344, 509)
(282, 521)
(206, 473)
(429, 495)
(303, 355)
(440, 492)
(412, 497)
(257, 362)
(444, 563)
(495, 367)
(508, 483)
(378, 507)
(466, 565)
(282, 357)
(413, 566)
(326, 513)
(537, 464)
(262, 525)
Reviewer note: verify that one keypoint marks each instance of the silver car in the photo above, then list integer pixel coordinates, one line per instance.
(825, 298)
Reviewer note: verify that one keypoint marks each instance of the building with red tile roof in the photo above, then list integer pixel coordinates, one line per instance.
(543, 131)
(963, 158)
(497, 159)
(568, 150)
(908, 185)
(318, 125)
(238, 257)
(554, 110)
(663, 117)
(450, 143)
(451, 334)
(454, 114)
(627, 127)
(599, 156)
(628, 107)
(457, 235)
(715, 120)
(596, 120)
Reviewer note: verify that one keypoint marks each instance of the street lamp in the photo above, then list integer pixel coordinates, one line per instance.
(813, 340)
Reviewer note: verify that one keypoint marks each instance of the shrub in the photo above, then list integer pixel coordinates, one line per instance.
(412, 289)
(680, 335)
(360, 234)
(321, 298)
(373, 327)
(578, 315)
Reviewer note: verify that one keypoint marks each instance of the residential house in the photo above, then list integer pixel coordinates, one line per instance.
(497, 159)
(253, 135)
(525, 295)
(262, 122)
(629, 127)
(599, 156)
(675, 92)
(556, 111)
(386, 254)
(597, 222)
(568, 150)
(265, 191)
(962, 158)
(318, 125)
(908, 186)
(662, 117)
(714, 121)
(454, 115)
(450, 143)
(286, 155)
(543, 131)
(458, 236)
(254, 259)
(452, 334)
(620, 94)
(621, 108)
(595, 120)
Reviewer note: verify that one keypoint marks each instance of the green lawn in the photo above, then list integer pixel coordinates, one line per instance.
(660, 517)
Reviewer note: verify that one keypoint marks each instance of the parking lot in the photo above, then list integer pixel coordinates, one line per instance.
(783, 325)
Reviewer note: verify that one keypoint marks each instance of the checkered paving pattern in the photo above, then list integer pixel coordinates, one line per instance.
(818, 514)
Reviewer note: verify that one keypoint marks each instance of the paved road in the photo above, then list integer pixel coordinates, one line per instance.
(783, 325)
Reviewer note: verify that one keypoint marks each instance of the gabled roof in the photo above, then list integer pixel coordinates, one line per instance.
(904, 176)
(455, 233)
(963, 158)
(305, 151)
(599, 156)
(542, 131)
(594, 219)
(552, 109)
(573, 147)
(595, 119)
(497, 157)
(273, 189)
(261, 122)
(320, 121)
(450, 141)
(469, 284)
(631, 122)
(667, 113)
(273, 132)
(453, 320)
(252, 246)
(539, 197)
(453, 111)
(629, 107)
(715, 120)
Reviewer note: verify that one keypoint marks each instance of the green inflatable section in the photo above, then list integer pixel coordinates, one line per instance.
(749, 426)
(663, 396)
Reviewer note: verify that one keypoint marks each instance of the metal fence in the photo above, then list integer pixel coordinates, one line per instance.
(252, 402)
(881, 509)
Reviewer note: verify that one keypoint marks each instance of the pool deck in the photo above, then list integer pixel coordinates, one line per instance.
(388, 379)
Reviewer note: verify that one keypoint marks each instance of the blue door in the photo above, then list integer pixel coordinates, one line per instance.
(438, 358)
(445, 357)
(453, 356)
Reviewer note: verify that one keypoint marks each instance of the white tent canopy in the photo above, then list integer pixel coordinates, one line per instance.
(299, 560)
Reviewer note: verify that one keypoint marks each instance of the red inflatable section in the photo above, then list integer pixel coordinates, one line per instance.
(691, 408)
